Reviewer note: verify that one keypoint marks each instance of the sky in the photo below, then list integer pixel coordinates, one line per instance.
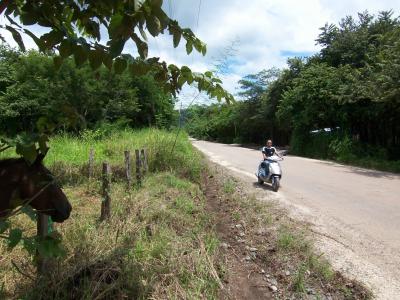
(264, 33)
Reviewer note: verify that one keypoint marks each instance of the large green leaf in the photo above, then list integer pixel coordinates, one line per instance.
(27, 149)
(29, 211)
(14, 237)
(176, 37)
(65, 49)
(141, 46)
(115, 25)
(95, 58)
(4, 225)
(80, 55)
(189, 47)
(153, 25)
(116, 47)
(52, 38)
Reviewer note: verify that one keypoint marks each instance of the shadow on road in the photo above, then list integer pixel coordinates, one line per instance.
(361, 171)
(264, 186)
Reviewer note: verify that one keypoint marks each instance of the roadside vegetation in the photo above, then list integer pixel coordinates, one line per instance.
(340, 103)
(37, 97)
(164, 238)
(275, 253)
(159, 242)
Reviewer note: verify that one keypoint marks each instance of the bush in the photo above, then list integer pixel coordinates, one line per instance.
(342, 148)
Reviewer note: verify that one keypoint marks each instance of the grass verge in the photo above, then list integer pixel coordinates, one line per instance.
(276, 252)
(158, 243)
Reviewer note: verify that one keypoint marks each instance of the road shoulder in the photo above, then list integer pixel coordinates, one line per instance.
(267, 253)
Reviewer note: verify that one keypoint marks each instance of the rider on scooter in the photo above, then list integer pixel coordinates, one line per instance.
(269, 151)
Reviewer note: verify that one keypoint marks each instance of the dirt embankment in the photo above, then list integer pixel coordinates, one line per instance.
(267, 254)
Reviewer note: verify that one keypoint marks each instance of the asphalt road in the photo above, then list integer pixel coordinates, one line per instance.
(358, 210)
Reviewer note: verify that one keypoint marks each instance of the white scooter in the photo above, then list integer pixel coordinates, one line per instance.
(269, 170)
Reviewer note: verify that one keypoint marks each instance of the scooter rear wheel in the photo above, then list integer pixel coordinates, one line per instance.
(260, 181)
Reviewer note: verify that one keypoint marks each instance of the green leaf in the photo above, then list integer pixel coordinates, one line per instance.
(155, 3)
(115, 25)
(208, 74)
(80, 55)
(119, 65)
(37, 41)
(30, 245)
(116, 47)
(141, 46)
(93, 29)
(204, 49)
(185, 69)
(176, 38)
(28, 151)
(181, 81)
(95, 58)
(51, 246)
(153, 25)
(198, 45)
(28, 210)
(4, 225)
(108, 61)
(17, 37)
(189, 47)
(43, 139)
(28, 18)
(52, 38)
(14, 237)
(65, 48)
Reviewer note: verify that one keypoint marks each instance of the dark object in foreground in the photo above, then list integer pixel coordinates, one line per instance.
(21, 183)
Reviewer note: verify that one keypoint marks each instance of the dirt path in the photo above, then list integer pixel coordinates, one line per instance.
(244, 280)
(355, 213)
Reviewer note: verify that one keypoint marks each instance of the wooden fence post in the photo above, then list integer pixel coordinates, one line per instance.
(106, 202)
(144, 161)
(138, 168)
(128, 168)
(91, 163)
(42, 232)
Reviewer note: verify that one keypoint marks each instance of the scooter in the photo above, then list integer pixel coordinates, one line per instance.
(269, 170)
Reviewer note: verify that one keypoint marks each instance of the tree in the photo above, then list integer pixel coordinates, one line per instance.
(33, 94)
(351, 87)
(75, 29)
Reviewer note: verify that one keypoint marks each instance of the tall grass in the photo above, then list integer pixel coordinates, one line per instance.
(158, 244)
(166, 151)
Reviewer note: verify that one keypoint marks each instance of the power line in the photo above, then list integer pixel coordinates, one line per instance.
(198, 94)
(198, 16)
(180, 120)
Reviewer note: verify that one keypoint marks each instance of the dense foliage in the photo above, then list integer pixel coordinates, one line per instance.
(343, 102)
(96, 32)
(35, 96)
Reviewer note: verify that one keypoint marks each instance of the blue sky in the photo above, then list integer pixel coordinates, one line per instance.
(266, 32)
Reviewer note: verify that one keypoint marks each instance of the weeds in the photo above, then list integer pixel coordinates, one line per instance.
(285, 247)
(229, 186)
(299, 280)
(158, 242)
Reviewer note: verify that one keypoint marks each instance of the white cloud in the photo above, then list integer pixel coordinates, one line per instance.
(266, 30)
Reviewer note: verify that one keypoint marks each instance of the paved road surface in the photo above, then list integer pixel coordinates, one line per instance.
(355, 211)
